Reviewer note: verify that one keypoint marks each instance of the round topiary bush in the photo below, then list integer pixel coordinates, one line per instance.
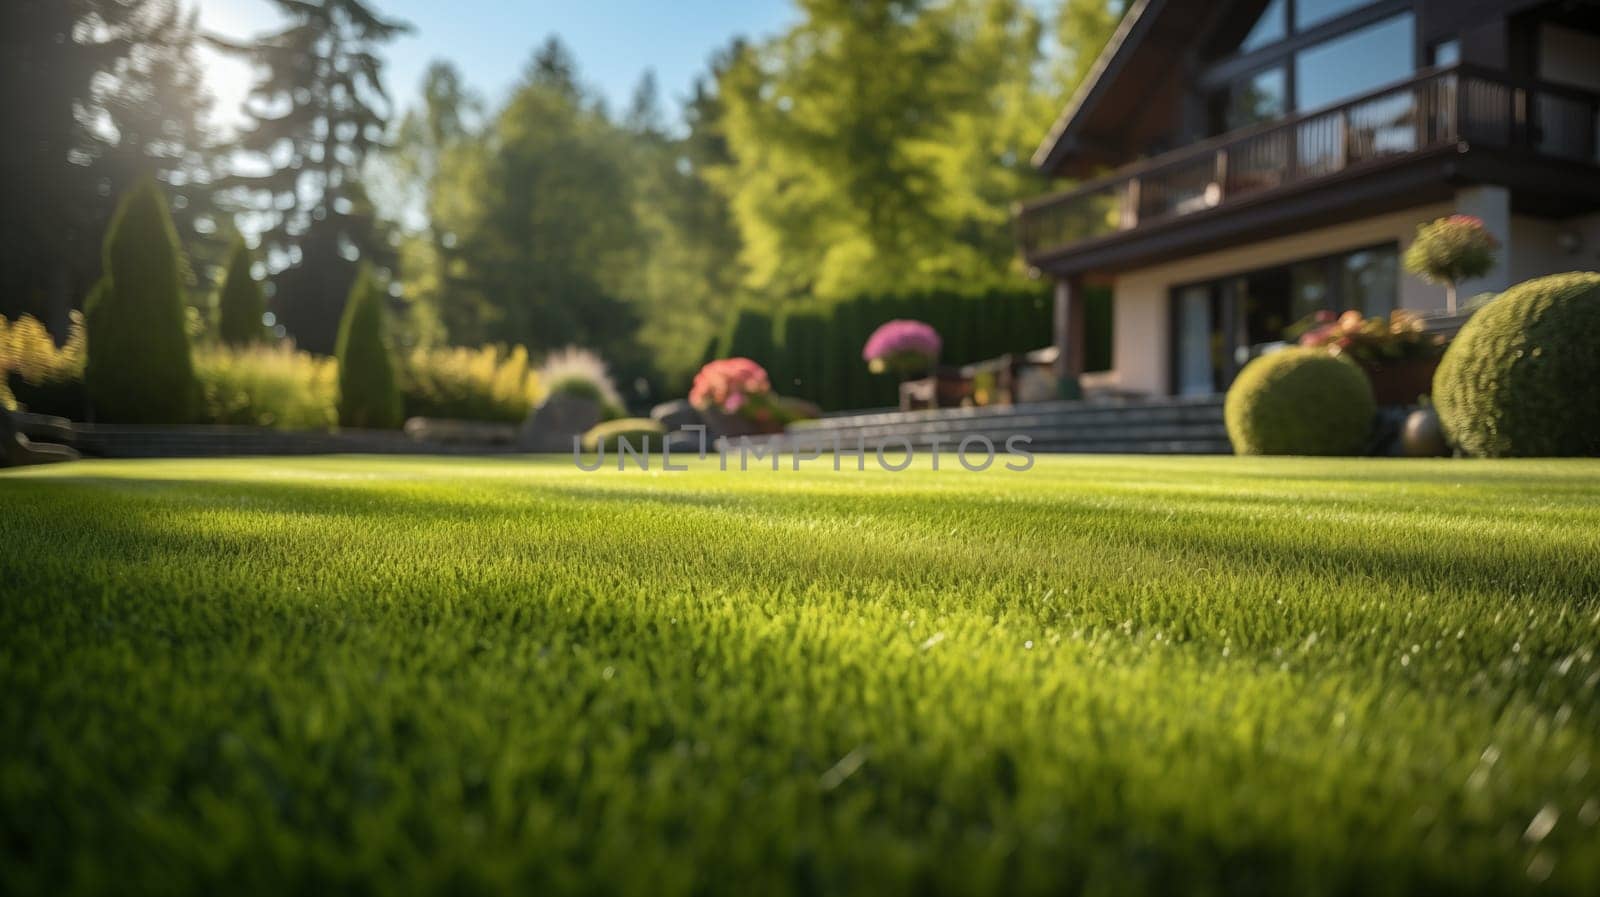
(1522, 379)
(1300, 402)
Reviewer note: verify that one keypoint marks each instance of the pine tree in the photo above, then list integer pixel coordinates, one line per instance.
(317, 112)
(139, 369)
(368, 394)
(240, 304)
(98, 94)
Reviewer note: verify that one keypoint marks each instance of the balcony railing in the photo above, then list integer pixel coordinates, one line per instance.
(1437, 109)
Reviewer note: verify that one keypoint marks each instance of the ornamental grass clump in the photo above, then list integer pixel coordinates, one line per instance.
(582, 374)
(267, 385)
(1450, 250)
(36, 374)
(902, 346)
(489, 383)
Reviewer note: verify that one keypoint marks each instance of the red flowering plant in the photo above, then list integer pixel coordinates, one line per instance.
(905, 347)
(737, 387)
(1450, 250)
(1370, 342)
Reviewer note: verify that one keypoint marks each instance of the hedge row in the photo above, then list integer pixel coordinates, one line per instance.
(814, 352)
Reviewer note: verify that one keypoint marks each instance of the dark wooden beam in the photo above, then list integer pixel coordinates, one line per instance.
(1069, 327)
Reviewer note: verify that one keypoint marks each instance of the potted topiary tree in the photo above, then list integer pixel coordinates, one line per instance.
(1450, 250)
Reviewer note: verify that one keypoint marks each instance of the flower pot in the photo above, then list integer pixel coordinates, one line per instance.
(721, 423)
(1401, 382)
(947, 388)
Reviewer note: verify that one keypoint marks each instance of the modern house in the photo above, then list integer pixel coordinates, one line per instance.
(1242, 163)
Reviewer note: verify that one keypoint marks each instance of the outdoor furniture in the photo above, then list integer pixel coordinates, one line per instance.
(945, 388)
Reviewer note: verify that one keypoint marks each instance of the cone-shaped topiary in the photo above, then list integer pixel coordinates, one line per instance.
(1522, 379)
(1300, 402)
(368, 393)
(239, 303)
(139, 370)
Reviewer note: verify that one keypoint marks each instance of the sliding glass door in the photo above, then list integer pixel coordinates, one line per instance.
(1199, 340)
(1218, 326)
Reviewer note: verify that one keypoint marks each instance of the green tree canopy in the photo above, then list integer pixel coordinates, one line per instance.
(317, 111)
(874, 145)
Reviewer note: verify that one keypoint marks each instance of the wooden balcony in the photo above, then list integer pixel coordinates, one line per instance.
(1446, 110)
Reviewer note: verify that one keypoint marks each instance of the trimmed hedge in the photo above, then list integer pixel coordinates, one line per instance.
(1522, 378)
(369, 395)
(813, 351)
(240, 304)
(1300, 401)
(139, 370)
(642, 433)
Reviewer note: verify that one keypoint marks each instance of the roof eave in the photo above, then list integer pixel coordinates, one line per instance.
(1059, 142)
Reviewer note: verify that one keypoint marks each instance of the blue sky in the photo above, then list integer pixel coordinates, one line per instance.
(615, 41)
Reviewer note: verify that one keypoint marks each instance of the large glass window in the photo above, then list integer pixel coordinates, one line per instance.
(1314, 12)
(1239, 34)
(1369, 280)
(1261, 97)
(1355, 62)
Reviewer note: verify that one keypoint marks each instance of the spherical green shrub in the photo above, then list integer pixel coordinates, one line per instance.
(1300, 402)
(369, 393)
(1522, 379)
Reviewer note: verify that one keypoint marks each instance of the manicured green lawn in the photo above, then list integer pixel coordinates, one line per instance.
(1105, 674)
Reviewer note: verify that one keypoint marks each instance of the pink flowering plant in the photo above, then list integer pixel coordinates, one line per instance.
(905, 347)
(1370, 342)
(1450, 250)
(736, 386)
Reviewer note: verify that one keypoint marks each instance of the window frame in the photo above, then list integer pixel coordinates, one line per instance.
(1230, 316)
(1223, 72)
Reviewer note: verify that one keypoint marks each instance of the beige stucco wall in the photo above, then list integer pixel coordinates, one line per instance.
(1141, 323)
(1139, 353)
(1541, 246)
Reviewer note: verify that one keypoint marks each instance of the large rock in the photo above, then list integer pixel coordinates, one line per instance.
(552, 425)
(17, 450)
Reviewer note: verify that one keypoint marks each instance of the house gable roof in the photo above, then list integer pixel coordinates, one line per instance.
(1065, 134)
